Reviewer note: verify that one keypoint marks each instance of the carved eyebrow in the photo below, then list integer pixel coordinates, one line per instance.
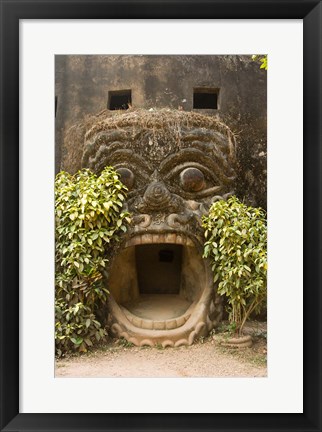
(129, 157)
(107, 156)
(223, 172)
(226, 142)
(93, 145)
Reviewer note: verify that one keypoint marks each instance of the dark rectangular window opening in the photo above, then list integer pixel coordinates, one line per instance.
(205, 98)
(119, 100)
(56, 99)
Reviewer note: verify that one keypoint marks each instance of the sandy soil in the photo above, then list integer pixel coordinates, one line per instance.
(203, 359)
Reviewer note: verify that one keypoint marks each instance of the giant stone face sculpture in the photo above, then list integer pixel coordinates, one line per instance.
(175, 165)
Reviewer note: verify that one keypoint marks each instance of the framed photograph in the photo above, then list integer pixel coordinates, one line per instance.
(63, 61)
(165, 124)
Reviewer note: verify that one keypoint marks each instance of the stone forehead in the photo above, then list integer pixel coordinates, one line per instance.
(154, 135)
(171, 122)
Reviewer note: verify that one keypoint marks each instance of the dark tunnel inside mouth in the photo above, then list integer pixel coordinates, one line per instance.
(157, 281)
(159, 268)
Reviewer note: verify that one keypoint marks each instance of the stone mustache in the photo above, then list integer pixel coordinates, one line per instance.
(175, 164)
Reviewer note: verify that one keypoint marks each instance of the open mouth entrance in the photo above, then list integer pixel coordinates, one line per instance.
(159, 279)
(156, 284)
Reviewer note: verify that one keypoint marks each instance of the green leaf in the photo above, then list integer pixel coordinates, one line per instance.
(241, 232)
(82, 221)
(88, 342)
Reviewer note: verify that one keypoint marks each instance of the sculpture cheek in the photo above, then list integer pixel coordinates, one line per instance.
(192, 180)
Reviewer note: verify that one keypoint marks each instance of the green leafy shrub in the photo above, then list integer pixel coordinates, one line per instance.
(76, 327)
(237, 247)
(262, 59)
(89, 217)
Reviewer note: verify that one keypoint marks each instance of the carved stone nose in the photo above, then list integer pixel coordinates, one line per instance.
(157, 196)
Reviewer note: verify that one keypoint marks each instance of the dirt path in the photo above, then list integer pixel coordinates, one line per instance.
(205, 359)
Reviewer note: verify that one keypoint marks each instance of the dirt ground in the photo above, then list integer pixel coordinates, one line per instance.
(205, 358)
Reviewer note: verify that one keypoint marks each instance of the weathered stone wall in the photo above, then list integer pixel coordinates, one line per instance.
(83, 84)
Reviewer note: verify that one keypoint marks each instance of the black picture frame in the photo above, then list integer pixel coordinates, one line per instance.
(11, 12)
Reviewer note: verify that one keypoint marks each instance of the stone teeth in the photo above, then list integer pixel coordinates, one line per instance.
(158, 325)
(146, 238)
(171, 324)
(156, 238)
(129, 317)
(180, 321)
(170, 238)
(137, 322)
(154, 325)
(189, 242)
(180, 239)
(147, 324)
(133, 241)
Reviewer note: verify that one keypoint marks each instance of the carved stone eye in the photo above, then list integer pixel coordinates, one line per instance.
(126, 177)
(192, 180)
